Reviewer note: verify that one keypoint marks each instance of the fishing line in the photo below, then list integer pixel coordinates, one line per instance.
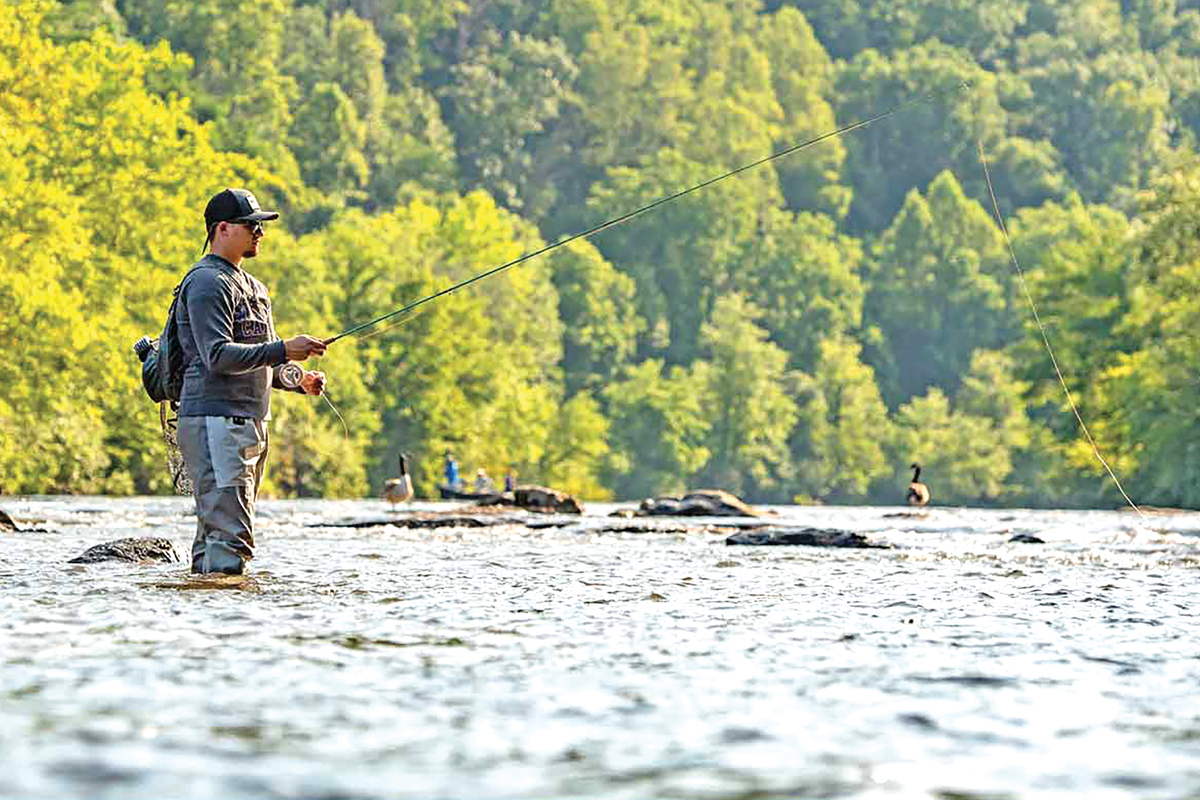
(345, 427)
(1045, 337)
(655, 204)
(392, 325)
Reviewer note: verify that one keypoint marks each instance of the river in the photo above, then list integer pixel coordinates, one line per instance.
(518, 662)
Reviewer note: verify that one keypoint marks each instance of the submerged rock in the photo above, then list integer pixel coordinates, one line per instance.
(701, 503)
(811, 537)
(424, 521)
(1027, 538)
(130, 551)
(907, 515)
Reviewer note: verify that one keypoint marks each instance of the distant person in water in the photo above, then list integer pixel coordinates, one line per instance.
(482, 482)
(510, 480)
(451, 472)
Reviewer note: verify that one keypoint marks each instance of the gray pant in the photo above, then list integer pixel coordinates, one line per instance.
(225, 457)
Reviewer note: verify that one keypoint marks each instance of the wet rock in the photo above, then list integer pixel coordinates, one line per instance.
(702, 503)
(624, 513)
(810, 537)
(536, 498)
(9, 525)
(1027, 538)
(541, 498)
(130, 551)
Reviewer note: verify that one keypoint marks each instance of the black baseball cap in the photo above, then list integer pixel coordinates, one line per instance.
(233, 205)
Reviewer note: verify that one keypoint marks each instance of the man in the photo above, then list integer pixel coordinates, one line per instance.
(231, 360)
(451, 471)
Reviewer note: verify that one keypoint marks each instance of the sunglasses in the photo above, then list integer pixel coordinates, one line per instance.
(255, 228)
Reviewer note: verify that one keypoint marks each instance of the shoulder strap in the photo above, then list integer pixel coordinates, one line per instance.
(199, 265)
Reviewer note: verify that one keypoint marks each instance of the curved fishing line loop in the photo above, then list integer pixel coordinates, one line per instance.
(928, 96)
(1045, 336)
(345, 427)
(310, 429)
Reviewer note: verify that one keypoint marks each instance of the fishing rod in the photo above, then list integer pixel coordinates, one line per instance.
(962, 85)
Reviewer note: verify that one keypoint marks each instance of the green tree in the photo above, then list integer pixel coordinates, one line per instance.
(328, 138)
(1076, 263)
(599, 316)
(1146, 401)
(806, 277)
(746, 392)
(837, 443)
(961, 460)
(802, 75)
(940, 288)
(576, 449)
(887, 161)
(1107, 114)
(412, 149)
(501, 100)
(992, 392)
(658, 426)
(683, 256)
(235, 81)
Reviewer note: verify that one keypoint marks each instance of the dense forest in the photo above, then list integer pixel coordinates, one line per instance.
(801, 332)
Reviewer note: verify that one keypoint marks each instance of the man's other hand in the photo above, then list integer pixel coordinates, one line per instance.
(301, 347)
(313, 383)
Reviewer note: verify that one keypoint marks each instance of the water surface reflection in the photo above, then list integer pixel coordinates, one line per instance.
(519, 662)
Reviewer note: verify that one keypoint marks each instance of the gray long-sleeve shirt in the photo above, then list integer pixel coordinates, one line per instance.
(229, 344)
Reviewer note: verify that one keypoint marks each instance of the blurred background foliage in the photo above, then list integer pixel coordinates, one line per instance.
(802, 332)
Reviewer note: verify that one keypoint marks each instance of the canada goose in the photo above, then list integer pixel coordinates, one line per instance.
(918, 493)
(399, 490)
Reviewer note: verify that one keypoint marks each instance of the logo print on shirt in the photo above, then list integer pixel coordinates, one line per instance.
(250, 320)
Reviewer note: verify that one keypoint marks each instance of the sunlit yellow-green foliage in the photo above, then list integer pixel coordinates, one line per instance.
(102, 179)
(806, 329)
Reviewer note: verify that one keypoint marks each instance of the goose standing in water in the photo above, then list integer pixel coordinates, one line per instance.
(918, 493)
(399, 490)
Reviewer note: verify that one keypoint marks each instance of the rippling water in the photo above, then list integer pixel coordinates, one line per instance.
(566, 662)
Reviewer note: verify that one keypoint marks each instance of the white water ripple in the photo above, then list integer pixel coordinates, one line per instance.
(522, 662)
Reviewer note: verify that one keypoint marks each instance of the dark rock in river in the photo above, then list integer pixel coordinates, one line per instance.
(907, 515)
(1027, 538)
(540, 498)
(702, 503)
(9, 525)
(536, 498)
(129, 550)
(811, 537)
(424, 521)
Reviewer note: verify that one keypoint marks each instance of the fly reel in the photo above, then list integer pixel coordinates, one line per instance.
(290, 375)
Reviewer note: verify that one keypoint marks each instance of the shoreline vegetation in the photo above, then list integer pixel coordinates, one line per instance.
(798, 334)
